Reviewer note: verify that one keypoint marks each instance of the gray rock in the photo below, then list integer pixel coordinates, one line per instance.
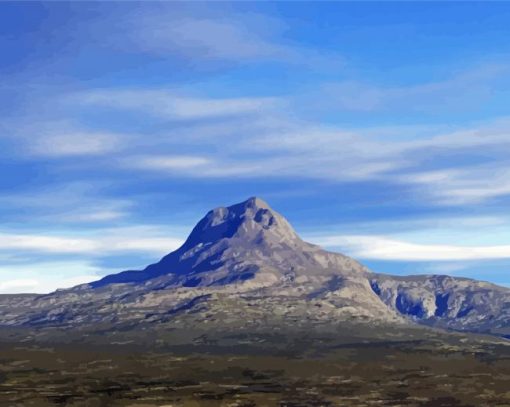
(244, 267)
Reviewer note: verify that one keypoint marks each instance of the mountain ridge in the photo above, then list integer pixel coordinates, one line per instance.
(245, 264)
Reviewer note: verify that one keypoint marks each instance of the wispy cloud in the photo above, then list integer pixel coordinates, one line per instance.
(182, 132)
(72, 143)
(60, 133)
(74, 202)
(387, 248)
(463, 90)
(437, 164)
(170, 105)
(468, 185)
(148, 113)
(96, 215)
(48, 244)
(261, 137)
(45, 276)
(40, 263)
(168, 162)
(103, 242)
(218, 35)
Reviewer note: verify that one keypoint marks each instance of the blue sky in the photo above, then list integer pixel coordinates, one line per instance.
(380, 130)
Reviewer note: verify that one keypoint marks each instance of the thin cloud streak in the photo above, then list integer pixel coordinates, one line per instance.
(75, 202)
(168, 104)
(168, 162)
(72, 144)
(469, 185)
(112, 241)
(386, 248)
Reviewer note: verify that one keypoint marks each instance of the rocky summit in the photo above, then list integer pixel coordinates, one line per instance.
(243, 268)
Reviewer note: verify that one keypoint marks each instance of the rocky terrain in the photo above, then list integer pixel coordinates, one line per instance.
(246, 313)
(446, 302)
(245, 268)
(438, 371)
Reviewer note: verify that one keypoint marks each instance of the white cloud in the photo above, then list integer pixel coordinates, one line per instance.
(76, 202)
(466, 185)
(387, 248)
(45, 276)
(75, 144)
(23, 284)
(168, 162)
(219, 140)
(432, 226)
(286, 149)
(170, 105)
(224, 143)
(92, 216)
(41, 284)
(28, 273)
(103, 242)
(57, 134)
(48, 244)
(275, 146)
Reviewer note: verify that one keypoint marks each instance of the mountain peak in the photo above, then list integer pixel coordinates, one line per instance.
(236, 233)
(248, 220)
(256, 202)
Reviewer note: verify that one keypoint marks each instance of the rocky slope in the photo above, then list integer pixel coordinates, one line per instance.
(243, 269)
(447, 302)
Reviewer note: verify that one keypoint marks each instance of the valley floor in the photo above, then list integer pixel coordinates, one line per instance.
(414, 373)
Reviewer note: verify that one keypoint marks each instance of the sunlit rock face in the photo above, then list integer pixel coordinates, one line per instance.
(244, 267)
(236, 243)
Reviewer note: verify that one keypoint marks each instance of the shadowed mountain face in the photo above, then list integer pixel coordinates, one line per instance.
(244, 268)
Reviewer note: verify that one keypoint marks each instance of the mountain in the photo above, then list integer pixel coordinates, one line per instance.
(243, 268)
